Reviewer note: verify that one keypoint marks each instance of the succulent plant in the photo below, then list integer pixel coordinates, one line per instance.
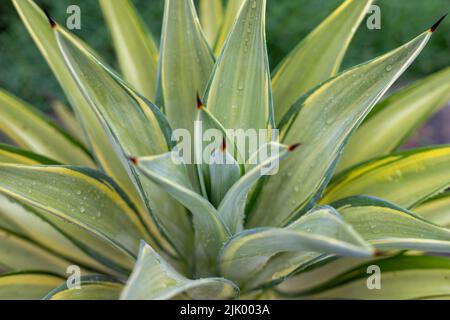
(105, 194)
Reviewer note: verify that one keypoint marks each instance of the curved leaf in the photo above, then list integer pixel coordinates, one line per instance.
(83, 197)
(39, 28)
(321, 230)
(111, 160)
(317, 57)
(387, 226)
(27, 285)
(224, 172)
(30, 130)
(319, 271)
(239, 93)
(323, 121)
(232, 207)
(155, 279)
(18, 254)
(382, 224)
(62, 238)
(171, 174)
(436, 210)
(134, 45)
(393, 120)
(91, 288)
(185, 65)
(137, 126)
(402, 277)
(205, 122)
(406, 179)
(53, 233)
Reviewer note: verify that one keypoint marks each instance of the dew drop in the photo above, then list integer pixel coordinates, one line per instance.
(82, 210)
(388, 68)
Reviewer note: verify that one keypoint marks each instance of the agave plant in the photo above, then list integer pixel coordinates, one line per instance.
(107, 197)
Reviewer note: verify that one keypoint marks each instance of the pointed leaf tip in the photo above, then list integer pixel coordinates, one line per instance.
(436, 25)
(133, 160)
(379, 253)
(293, 147)
(223, 146)
(50, 19)
(199, 102)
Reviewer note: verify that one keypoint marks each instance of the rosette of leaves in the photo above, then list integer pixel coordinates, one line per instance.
(104, 194)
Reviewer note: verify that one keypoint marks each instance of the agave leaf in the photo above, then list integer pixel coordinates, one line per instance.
(154, 279)
(206, 121)
(318, 57)
(185, 66)
(402, 277)
(27, 285)
(186, 62)
(224, 171)
(167, 171)
(18, 254)
(382, 224)
(396, 118)
(138, 126)
(137, 123)
(406, 179)
(232, 207)
(211, 16)
(317, 271)
(320, 230)
(134, 45)
(436, 210)
(53, 233)
(231, 13)
(10, 154)
(387, 226)
(323, 121)
(83, 197)
(68, 119)
(30, 130)
(113, 163)
(38, 26)
(239, 93)
(62, 238)
(5, 221)
(284, 265)
(92, 287)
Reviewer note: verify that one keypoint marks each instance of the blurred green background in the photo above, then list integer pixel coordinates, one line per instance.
(24, 72)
